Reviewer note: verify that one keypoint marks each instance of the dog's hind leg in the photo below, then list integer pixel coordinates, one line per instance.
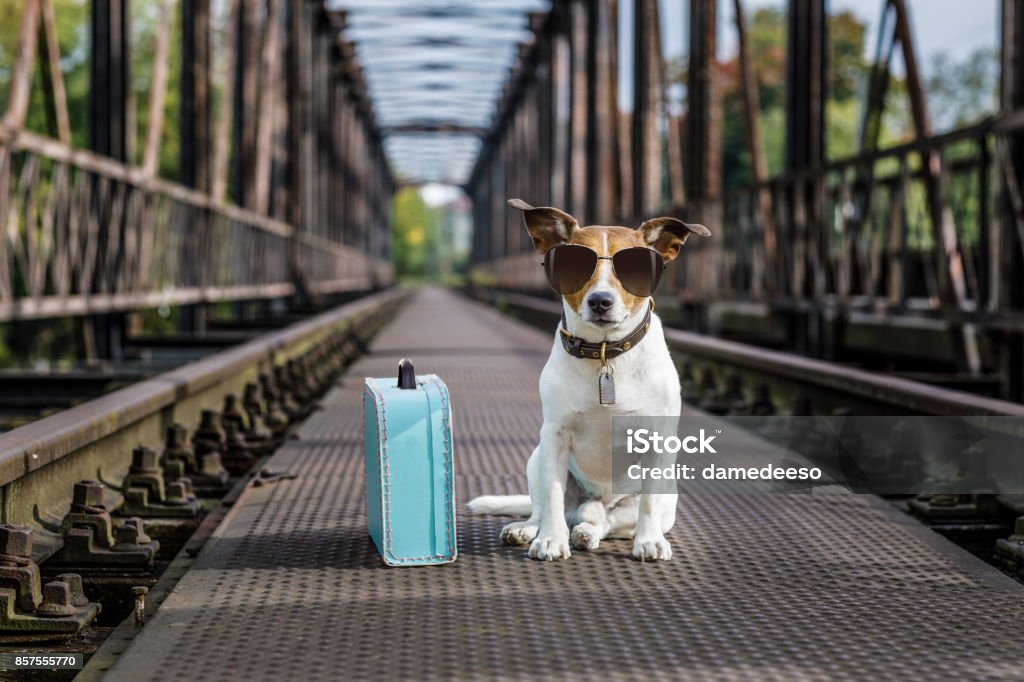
(520, 533)
(622, 516)
(589, 523)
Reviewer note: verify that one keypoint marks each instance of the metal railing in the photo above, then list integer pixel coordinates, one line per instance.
(857, 233)
(81, 233)
(792, 375)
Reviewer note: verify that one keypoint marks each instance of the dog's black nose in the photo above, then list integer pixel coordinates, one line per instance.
(600, 301)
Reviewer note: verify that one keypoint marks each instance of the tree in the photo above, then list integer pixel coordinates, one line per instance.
(415, 236)
(961, 93)
(72, 20)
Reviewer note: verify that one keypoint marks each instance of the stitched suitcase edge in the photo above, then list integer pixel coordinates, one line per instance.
(389, 555)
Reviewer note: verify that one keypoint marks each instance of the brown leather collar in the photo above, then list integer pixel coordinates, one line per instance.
(605, 350)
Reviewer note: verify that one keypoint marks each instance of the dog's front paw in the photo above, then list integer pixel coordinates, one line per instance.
(519, 533)
(652, 549)
(585, 536)
(550, 547)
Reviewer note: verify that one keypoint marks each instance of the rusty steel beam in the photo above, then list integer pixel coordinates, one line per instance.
(196, 95)
(618, 139)
(808, 333)
(158, 90)
(544, 121)
(805, 84)
(301, 135)
(952, 282)
(112, 134)
(498, 196)
(195, 120)
(703, 160)
(1006, 250)
(560, 111)
(755, 144)
(673, 134)
(21, 72)
(110, 81)
(577, 191)
(53, 76)
(602, 137)
(248, 46)
(269, 76)
(445, 127)
(646, 100)
(219, 165)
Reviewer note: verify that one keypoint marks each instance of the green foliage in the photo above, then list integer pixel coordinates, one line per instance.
(72, 19)
(145, 27)
(964, 92)
(846, 55)
(959, 93)
(415, 236)
(37, 343)
(73, 35)
(428, 242)
(766, 33)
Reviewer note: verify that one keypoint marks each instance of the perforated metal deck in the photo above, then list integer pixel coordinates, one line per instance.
(761, 588)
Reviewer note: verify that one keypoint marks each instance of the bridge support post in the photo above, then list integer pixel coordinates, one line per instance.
(111, 129)
(1007, 247)
(579, 46)
(702, 164)
(646, 97)
(111, 133)
(196, 138)
(702, 161)
(602, 136)
(810, 330)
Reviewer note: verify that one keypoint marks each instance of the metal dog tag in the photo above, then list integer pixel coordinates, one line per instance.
(606, 385)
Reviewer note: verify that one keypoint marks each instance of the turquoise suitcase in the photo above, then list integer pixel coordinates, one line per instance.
(410, 475)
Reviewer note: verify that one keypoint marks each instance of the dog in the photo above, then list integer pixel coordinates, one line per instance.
(569, 474)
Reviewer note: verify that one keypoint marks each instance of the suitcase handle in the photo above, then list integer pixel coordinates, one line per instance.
(406, 374)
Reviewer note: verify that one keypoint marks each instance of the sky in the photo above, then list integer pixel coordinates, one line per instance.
(954, 26)
(957, 27)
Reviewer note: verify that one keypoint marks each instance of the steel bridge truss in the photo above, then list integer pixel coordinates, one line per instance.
(821, 241)
(95, 231)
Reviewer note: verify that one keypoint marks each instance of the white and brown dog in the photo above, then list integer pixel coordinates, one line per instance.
(576, 436)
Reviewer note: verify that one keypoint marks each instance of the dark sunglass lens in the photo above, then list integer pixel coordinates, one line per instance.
(568, 267)
(638, 270)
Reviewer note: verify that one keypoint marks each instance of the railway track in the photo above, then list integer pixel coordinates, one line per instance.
(98, 500)
(100, 503)
(731, 379)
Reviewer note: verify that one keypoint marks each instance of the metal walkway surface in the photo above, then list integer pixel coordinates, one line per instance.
(773, 587)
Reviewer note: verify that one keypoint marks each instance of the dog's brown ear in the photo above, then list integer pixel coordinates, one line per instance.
(547, 226)
(667, 235)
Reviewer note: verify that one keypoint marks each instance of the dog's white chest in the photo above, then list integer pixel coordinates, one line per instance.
(646, 384)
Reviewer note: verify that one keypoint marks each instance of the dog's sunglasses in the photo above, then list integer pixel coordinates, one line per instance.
(569, 266)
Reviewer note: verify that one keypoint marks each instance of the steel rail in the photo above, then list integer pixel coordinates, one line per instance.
(40, 462)
(903, 394)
